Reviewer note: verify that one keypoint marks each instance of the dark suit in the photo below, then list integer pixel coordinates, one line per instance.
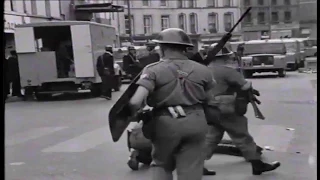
(105, 70)
(14, 76)
(152, 57)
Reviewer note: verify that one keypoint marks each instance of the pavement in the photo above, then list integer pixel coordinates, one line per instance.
(69, 138)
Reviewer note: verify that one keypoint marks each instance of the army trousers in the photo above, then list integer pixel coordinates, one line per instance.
(237, 128)
(178, 143)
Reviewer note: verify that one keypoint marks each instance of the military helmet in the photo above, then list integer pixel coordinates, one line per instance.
(108, 48)
(225, 51)
(174, 36)
(131, 48)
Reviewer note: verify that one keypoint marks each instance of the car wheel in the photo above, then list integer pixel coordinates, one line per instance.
(247, 74)
(282, 73)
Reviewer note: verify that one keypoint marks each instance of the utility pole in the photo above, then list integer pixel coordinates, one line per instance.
(129, 21)
(270, 18)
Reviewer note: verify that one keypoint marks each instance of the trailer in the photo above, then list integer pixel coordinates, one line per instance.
(60, 56)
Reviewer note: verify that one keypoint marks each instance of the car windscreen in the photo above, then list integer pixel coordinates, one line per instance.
(264, 48)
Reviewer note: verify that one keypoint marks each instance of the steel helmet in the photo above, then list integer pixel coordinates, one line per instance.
(131, 48)
(108, 48)
(225, 51)
(151, 43)
(173, 36)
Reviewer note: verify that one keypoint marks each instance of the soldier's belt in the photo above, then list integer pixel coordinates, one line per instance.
(175, 111)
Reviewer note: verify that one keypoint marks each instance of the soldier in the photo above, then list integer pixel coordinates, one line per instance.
(131, 65)
(176, 88)
(229, 82)
(105, 68)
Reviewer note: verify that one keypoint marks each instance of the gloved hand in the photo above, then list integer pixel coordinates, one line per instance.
(255, 92)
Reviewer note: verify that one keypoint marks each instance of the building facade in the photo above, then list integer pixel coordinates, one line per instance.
(28, 11)
(270, 19)
(206, 21)
(308, 21)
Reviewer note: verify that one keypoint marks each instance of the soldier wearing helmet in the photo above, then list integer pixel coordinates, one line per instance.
(131, 65)
(176, 89)
(225, 96)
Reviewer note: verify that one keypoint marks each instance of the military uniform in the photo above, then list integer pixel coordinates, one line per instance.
(175, 84)
(229, 82)
(130, 63)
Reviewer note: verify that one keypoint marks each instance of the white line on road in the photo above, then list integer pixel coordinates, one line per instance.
(30, 135)
(81, 143)
(273, 136)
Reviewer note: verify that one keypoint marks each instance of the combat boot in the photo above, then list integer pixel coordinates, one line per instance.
(207, 172)
(259, 167)
(133, 162)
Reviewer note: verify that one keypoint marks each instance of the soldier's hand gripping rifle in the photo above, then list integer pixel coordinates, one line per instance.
(253, 100)
(224, 40)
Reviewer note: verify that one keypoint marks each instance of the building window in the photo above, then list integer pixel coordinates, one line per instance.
(193, 23)
(287, 2)
(211, 3)
(48, 8)
(213, 22)
(191, 3)
(274, 2)
(226, 3)
(145, 2)
(260, 2)
(180, 3)
(165, 22)
(147, 24)
(24, 6)
(275, 17)
(34, 7)
(126, 24)
(247, 2)
(163, 2)
(182, 20)
(13, 5)
(228, 21)
(287, 16)
(248, 19)
(261, 18)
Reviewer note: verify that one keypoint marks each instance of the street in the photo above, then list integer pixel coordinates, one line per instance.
(70, 139)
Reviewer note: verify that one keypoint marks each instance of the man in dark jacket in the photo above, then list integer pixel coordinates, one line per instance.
(14, 74)
(131, 65)
(152, 55)
(105, 68)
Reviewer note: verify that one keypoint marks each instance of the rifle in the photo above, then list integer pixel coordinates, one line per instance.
(253, 100)
(224, 39)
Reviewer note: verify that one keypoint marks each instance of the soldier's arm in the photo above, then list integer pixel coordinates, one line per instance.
(237, 79)
(146, 85)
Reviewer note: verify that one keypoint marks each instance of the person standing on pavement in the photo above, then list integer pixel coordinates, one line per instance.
(14, 74)
(131, 65)
(232, 120)
(105, 68)
(152, 56)
(176, 88)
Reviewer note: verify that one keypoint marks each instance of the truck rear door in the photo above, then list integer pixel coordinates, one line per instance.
(82, 51)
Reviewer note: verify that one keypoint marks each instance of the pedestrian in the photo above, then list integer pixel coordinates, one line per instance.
(6, 84)
(176, 88)
(64, 59)
(14, 74)
(105, 68)
(232, 119)
(131, 65)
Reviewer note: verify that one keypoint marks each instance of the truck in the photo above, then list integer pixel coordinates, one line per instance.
(59, 57)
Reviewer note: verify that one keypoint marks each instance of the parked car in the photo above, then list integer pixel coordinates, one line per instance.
(295, 53)
(264, 56)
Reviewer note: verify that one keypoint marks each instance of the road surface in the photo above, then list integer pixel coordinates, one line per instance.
(70, 139)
